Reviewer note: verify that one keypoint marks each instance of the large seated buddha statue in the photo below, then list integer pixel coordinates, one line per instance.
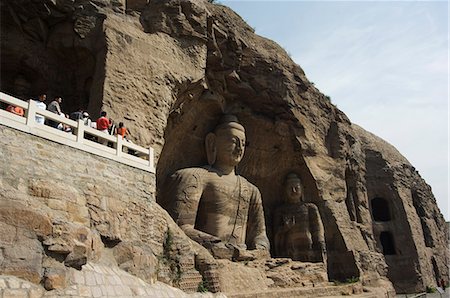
(214, 205)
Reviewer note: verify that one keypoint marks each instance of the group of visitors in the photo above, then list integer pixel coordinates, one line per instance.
(103, 123)
(108, 126)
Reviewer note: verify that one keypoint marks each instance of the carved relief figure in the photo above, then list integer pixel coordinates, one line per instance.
(215, 206)
(298, 228)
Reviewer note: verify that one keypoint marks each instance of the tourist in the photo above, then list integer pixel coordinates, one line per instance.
(112, 127)
(103, 125)
(88, 122)
(77, 115)
(64, 127)
(86, 119)
(40, 103)
(111, 131)
(55, 107)
(15, 110)
(122, 130)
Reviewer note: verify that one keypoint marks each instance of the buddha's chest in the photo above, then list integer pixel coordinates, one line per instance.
(226, 197)
(295, 217)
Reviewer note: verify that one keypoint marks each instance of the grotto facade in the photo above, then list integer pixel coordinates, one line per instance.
(171, 69)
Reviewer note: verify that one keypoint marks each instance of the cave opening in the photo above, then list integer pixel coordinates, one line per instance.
(387, 242)
(380, 210)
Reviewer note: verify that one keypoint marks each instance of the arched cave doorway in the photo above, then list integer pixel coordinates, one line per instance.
(387, 242)
(380, 210)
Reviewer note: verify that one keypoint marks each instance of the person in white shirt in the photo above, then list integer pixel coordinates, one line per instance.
(40, 103)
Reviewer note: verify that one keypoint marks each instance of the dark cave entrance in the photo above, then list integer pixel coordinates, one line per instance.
(380, 210)
(387, 242)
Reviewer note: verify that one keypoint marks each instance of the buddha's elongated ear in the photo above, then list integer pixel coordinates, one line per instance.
(210, 145)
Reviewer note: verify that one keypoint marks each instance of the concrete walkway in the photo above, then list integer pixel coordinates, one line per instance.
(426, 295)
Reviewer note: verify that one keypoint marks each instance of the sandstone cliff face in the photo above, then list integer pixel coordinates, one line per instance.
(409, 216)
(168, 69)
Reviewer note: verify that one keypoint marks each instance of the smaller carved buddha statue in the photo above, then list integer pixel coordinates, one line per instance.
(298, 228)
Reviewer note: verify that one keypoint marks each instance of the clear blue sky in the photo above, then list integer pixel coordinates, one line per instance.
(383, 63)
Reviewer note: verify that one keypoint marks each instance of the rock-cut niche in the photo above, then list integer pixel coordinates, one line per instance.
(44, 54)
(192, 117)
(380, 210)
(387, 243)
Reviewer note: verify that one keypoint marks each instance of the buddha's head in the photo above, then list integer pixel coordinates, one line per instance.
(293, 188)
(225, 145)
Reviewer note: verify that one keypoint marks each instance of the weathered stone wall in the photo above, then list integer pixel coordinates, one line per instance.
(61, 207)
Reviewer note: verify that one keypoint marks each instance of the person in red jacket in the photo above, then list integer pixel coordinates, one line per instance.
(103, 124)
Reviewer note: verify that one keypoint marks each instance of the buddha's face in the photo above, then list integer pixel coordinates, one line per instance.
(294, 190)
(230, 145)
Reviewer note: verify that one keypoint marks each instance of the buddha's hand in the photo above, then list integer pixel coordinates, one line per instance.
(221, 250)
(209, 240)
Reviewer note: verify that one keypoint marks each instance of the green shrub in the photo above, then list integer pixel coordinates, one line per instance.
(350, 280)
(170, 259)
(203, 286)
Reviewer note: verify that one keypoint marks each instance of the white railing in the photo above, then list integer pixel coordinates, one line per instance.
(142, 158)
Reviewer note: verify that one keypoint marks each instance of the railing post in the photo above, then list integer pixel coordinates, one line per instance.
(119, 145)
(151, 161)
(80, 131)
(31, 113)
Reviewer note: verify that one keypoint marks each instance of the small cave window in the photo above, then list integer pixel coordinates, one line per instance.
(387, 242)
(380, 210)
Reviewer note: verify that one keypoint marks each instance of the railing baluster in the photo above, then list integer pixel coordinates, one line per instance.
(151, 157)
(31, 113)
(119, 145)
(80, 131)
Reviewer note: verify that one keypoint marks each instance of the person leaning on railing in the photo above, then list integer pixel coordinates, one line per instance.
(15, 110)
(122, 130)
(103, 123)
(55, 107)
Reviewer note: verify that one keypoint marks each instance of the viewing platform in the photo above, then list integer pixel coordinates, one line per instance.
(143, 158)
